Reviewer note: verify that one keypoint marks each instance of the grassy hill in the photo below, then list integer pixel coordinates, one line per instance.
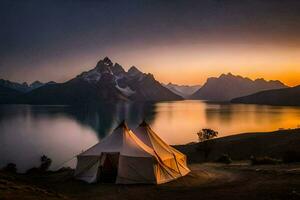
(242, 146)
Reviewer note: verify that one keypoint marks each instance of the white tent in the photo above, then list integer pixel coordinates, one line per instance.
(169, 156)
(124, 159)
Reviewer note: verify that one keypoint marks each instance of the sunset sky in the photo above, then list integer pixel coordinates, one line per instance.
(183, 42)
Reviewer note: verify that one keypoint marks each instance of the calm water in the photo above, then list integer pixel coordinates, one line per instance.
(60, 132)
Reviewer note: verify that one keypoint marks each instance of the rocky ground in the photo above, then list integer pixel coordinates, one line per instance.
(238, 180)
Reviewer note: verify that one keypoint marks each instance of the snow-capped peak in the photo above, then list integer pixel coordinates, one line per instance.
(91, 76)
(107, 61)
(94, 75)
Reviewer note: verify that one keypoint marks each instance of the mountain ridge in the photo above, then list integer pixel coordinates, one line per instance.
(229, 86)
(23, 87)
(106, 82)
(183, 90)
(278, 97)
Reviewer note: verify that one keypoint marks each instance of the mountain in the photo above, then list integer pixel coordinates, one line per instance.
(7, 94)
(35, 84)
(279, 97)
(22, 87)
(107, 82)
(182, 90)
(228, 86)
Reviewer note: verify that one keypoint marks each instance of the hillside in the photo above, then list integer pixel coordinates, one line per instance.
(228, 86)
(243, 146)
(280, 97)
(182, 90)
(7, 94)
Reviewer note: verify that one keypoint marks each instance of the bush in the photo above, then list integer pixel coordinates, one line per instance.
(224, 158)
(10, 167)
(45, 163)
(264, 160)
(44, 166)
(291, 156)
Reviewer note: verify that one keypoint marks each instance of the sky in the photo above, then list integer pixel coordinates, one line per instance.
(182, 42)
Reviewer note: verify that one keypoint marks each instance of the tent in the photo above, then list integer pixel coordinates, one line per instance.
(172, 158)
(122, 158)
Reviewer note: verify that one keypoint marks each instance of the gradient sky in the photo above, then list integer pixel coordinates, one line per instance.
(183, 42)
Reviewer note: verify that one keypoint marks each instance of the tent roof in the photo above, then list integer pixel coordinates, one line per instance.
(151, 139)
(122, 141)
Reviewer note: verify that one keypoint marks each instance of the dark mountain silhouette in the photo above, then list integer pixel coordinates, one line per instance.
(35, 84)
(22, 87)
(282, 97)
(7, 94)
(228, 86)
(182, 90)
(107, 82)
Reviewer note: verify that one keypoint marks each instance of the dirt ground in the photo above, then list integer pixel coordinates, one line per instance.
(239, 180)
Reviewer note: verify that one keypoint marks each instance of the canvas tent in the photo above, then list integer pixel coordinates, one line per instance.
(171, 157)
(124, 159)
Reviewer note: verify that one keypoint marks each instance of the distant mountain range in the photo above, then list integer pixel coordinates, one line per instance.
(106, 82)
(109, 82)
(10, 91)
(286, 96)
(7, 94)
(182, 90)
(22, 87)
(228, 86)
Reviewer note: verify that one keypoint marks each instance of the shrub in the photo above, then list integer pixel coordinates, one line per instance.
(10, 167)
(264, 160)
(45, 163)
(291, 156)
(206, 134)
(44, 166)
(224, 158)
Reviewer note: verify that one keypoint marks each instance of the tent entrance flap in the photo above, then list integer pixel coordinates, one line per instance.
(108, 168)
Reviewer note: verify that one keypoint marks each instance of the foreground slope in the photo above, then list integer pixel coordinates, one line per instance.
(239, 180)
(280, 97)
(208, 181)
(242, 146)
(228, 86)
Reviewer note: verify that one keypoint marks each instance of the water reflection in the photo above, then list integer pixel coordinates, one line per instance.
(27, 132)
(60, 132)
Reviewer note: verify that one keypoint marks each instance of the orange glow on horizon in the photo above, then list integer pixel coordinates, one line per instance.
(194, 64)
(188, 64)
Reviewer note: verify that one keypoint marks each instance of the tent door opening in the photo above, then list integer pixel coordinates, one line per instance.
(109, 167)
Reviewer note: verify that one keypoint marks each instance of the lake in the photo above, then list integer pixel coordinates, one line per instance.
(60, 132)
